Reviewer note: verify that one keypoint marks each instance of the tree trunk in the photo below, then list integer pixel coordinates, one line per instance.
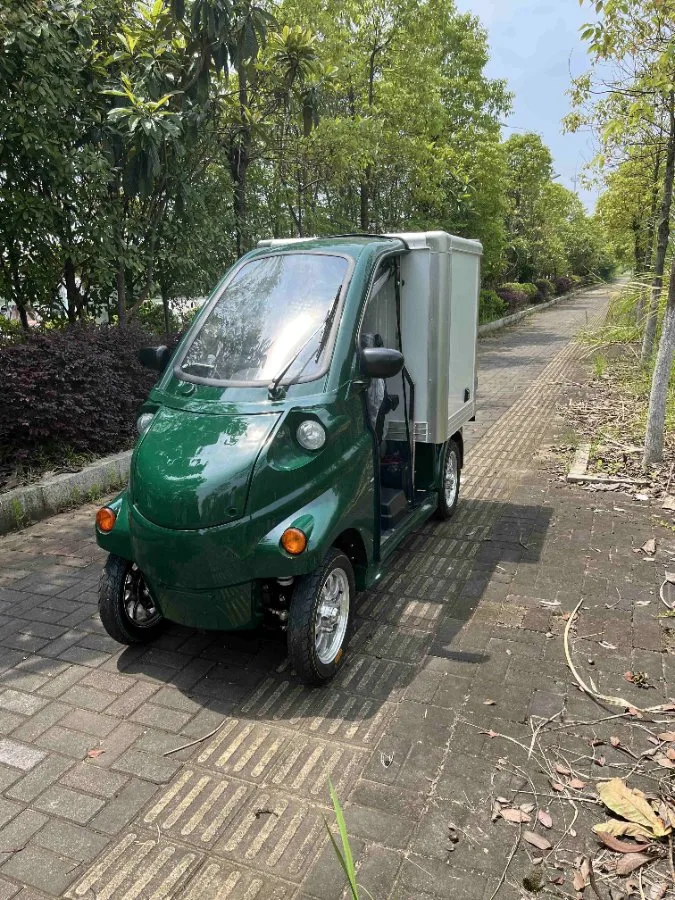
(23, 315)
(649, 248)
(638, 252)
(365, 200)
(167, 313)
(663, 234)
(656, 415)
(73, 296)
(121, 282)
(240, 157)
(651, 227)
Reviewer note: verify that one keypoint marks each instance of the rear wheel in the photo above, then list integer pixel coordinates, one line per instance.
(127, 610)
(448, 496)
(320, 618)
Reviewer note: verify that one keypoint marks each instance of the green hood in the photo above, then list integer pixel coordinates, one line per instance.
(193, 470)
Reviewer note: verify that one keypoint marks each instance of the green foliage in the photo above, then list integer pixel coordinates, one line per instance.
(151, 316)
(531, 291)
(145, 145)
(11, 332)
(491, 307)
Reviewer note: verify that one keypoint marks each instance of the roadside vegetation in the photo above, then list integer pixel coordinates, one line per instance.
(627, 99)
(611, 412)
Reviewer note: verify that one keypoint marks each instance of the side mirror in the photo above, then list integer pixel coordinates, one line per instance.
(154, 357)
(381, 362)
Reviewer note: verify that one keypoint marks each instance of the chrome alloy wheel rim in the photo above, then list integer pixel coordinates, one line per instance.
(450, 484)
(139, 606)
(332, 615)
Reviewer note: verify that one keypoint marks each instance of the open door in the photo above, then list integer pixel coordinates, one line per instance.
(394, 452)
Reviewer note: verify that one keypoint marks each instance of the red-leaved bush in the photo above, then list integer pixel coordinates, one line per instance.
(78, 388)
(563, 285)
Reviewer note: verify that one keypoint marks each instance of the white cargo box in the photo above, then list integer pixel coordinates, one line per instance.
(439, 325)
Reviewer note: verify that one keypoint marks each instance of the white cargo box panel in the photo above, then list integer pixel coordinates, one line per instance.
(439, 324)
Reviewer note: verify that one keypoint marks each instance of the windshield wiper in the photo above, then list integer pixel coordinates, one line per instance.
(273, 389)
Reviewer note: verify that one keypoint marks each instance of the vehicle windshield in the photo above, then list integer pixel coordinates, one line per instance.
(263, 317)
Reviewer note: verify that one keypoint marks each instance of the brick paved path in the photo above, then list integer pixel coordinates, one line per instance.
(240, 815)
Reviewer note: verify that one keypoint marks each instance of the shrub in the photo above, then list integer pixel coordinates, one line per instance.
(530, 290)
(563, 284)
(151, 316)
(491, 307)
(545, 289)
(514, 297)
(76, 390)
(11, 332)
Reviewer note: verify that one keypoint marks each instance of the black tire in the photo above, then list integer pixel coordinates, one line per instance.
(301, 633)
(117, 576)
(446, 507)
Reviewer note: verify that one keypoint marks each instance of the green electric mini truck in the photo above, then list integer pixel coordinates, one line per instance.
(310, 418)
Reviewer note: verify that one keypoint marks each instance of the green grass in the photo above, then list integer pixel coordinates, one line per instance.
(344, 855)
(614, 351)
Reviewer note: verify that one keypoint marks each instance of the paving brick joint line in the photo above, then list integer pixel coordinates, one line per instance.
(241, 815)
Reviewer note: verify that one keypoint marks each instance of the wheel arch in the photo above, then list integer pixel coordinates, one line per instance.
(351, 543)
(459, 437)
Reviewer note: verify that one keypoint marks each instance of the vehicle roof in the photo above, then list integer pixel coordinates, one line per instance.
(353, 245)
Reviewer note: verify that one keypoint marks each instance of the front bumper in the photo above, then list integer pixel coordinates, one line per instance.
(210, 578)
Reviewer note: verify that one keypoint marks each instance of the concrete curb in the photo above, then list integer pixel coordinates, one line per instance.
(30, 503)
(498, 324)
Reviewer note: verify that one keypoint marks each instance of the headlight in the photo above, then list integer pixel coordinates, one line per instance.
(311, 435)
(143, 422)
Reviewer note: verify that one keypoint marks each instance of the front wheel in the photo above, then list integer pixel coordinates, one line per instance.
(127, 610)
(448, 495)
(320, 617)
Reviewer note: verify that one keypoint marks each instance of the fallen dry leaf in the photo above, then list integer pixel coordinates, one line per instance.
(607, 645)
(488, 702)
(667, 813)
(561, 770)
(95, 753)
(545, 819)
(491, 733)
(658, 891)
(631, 805)
(666, 736)
(536, 840)
(577, 784)
(526, 807)
(668, 502)
(630, 862)
(622, 829)
(557, 786)
(600, 761)
(558, 880)
(649, 546)
(514, 815)
(620, 846)
(665, 762)
(615, 742)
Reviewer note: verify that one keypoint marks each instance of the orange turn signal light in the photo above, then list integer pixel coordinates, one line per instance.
(105, 519)
(293, 541)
